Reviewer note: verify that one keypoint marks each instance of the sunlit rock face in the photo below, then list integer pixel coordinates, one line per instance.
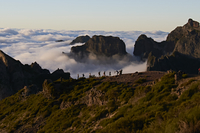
(187, 39)
(186, 53)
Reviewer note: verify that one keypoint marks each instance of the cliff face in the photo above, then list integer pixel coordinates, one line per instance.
(175, 62)
(101, 45)
(144, 46)
(188, 39)
(14, 75)
(184, 39)
(183, 42)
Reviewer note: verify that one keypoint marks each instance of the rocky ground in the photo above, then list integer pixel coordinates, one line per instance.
(131, 78)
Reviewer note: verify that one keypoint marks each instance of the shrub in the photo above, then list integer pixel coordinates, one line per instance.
(140, 80)
(188, 82)
(184, 76)
(190, 92)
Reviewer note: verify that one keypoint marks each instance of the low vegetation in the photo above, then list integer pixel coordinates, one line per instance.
(71, 108)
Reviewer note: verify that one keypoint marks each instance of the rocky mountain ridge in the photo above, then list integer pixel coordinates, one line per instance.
(145, 102)
(184, 42)
(14, 75)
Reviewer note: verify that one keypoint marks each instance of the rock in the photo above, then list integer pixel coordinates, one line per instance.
(186, 39)
(47, 88)
(65, 104)
(192, 23)
(37, 68)
(186, 53)
(174, 62)
(14, 75)
(93, 97)
(101, 46)
(144, 46)
(32, 89)
(58, 71)
(80, 39)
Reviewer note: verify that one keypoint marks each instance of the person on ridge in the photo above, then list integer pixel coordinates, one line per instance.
(120, 72)
(89, 75)
(109, 73)
(117, 72)
(99, 74)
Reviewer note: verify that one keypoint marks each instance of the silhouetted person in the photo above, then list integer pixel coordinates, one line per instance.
(83, 75)
(104, 73)
(117, 72)
(99, 74)
(77, 76)
(109, 73)
(120, 72)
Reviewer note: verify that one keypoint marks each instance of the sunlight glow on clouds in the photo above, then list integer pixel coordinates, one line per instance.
(29, 45)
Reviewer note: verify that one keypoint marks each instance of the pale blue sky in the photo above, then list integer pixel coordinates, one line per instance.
(108, 15)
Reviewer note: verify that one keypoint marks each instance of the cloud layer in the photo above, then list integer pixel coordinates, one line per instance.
(29, 45)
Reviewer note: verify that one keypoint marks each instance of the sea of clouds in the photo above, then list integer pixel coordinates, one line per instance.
(30, 45)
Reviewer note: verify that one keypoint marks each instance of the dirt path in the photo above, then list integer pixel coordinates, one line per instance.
(130, 79)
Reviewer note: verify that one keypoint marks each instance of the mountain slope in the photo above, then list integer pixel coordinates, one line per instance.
(106, 105)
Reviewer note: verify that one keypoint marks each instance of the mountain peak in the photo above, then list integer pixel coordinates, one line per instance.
(193, 23)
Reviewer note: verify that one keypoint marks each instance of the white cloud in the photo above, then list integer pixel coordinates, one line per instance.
(39, 45)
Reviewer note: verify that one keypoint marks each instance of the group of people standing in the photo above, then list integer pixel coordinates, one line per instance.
(119, 72)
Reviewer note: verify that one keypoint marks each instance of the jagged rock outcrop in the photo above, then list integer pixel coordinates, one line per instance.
(92, 97)
(14, 76)
(183, 42)
(31, 89)
(101, 45)
(188, 39)
(80, 39)
(144, 46)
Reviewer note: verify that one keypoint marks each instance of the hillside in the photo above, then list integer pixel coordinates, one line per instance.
(138, 102)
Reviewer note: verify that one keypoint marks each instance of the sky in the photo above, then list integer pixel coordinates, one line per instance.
(104, 15)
